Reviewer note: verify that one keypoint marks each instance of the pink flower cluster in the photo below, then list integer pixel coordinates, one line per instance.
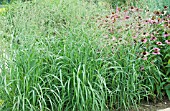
(120, 21)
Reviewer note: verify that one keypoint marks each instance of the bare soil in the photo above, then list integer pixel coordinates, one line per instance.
(155, 106)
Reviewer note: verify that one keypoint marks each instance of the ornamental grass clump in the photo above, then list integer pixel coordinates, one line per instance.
(53, 62)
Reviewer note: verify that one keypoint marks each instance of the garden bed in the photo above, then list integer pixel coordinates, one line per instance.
(80, 55)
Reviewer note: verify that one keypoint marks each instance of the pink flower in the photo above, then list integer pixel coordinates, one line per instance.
(116, 16)
(112, 17)
(127, 17)
(137, 9)
(153, 38)
(166, 34)
(167, 41)
(144, 40)
(151, 21)
(146, 21)
(154, 22)
(168, 16)
(159, 43)
(145, 34)
(165, 7)
(156, 51)
(165, 25)
(157, 33)
(135, 36)
(145, 53)
(132, 9)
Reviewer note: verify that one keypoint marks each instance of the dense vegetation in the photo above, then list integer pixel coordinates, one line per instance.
(62, 55)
